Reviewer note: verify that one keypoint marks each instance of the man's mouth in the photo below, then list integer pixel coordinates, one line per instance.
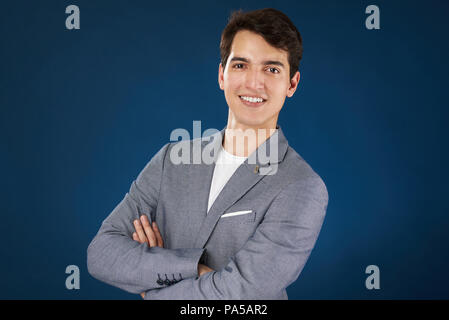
(252, 101)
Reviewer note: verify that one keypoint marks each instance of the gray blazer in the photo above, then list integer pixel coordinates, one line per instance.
(257, 235)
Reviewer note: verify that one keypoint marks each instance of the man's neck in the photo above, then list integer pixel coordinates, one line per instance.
(242, 141)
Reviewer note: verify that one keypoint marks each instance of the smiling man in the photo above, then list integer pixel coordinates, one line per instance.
(243, 226)
(256, 79)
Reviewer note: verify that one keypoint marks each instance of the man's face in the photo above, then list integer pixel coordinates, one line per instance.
(256, 81)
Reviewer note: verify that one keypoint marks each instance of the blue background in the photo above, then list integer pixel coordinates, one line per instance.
(83, 111)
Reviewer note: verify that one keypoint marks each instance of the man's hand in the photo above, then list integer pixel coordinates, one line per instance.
(202, 269)
(146, 233)
(150, 234)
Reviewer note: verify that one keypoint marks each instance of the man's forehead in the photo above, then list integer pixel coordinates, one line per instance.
(255, 48)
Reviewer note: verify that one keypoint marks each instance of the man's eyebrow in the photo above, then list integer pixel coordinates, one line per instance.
(240, 59)
(272, 62)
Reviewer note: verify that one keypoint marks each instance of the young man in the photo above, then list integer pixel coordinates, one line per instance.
(241, 226)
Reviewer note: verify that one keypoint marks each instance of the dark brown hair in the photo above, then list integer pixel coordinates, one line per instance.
(273, 25)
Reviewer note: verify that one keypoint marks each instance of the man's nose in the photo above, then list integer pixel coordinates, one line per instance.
(254, 79)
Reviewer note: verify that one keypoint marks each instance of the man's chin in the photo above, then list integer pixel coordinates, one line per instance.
(245, 119)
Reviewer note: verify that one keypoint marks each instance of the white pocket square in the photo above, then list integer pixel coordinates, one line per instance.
(236, 213)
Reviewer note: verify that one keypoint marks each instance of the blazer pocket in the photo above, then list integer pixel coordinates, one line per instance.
(242, 216)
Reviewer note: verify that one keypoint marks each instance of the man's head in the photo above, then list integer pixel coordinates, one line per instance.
(260, 54)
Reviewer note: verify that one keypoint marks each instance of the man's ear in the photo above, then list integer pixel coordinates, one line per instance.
(220, 76)
(294, 81)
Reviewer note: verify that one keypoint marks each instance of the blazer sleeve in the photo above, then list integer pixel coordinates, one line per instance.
(115, 258)
(272, 258)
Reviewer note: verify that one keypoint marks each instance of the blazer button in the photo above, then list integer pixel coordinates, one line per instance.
(166, 281)
(159, 280)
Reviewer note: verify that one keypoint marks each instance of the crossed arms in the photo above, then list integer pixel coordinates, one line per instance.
(268, 262)
(149, 234)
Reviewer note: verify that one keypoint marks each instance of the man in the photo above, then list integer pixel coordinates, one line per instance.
(241, 226)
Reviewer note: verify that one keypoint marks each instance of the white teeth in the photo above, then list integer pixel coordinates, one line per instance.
(251, 99)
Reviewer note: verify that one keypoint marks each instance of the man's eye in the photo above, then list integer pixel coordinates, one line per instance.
(273, 70)
(238, 66)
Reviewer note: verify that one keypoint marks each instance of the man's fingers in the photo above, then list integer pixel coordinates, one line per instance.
(148, 231)
(140, 232)
(145, 232)
(160, 242)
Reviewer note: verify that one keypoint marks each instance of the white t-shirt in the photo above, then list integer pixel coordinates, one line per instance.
(225, 167)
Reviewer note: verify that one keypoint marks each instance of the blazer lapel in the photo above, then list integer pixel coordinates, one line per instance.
(243, 179)
(202, 174)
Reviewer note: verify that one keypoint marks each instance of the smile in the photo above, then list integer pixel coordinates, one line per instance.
(252, 101)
